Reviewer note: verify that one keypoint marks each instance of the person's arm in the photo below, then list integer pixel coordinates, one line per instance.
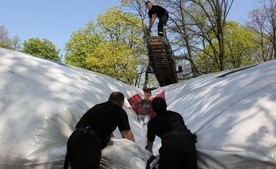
(152, 20)
(136, 104)
(149, 146)
(127, 134)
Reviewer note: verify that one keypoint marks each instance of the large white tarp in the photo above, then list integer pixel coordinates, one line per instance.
(233, 114)
(40, 104)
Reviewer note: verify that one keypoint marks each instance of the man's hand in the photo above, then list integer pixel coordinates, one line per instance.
(127, 134)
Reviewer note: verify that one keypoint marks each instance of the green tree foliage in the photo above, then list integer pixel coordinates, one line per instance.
(4, 38)
(6, 42)
(240, 46)
(263, 21)
(41, 48)
(16, 43)
(110, 47)
(83, 43)
(239, 49)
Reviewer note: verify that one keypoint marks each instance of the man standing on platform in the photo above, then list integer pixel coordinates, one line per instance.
(159, 12)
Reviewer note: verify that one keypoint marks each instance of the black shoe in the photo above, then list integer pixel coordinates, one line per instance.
(160, 33)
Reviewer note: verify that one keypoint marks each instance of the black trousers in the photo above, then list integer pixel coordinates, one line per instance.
(178, 152)
(84, 150)
(162, 21)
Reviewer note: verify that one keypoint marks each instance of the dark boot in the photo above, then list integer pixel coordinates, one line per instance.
(160, 33)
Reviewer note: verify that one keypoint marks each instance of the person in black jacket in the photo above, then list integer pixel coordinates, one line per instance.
(154, 12)
(93, 132)
(178, 149)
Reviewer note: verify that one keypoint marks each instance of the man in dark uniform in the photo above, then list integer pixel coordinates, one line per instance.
(94, 130)
(159, 12)
(178, 149)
